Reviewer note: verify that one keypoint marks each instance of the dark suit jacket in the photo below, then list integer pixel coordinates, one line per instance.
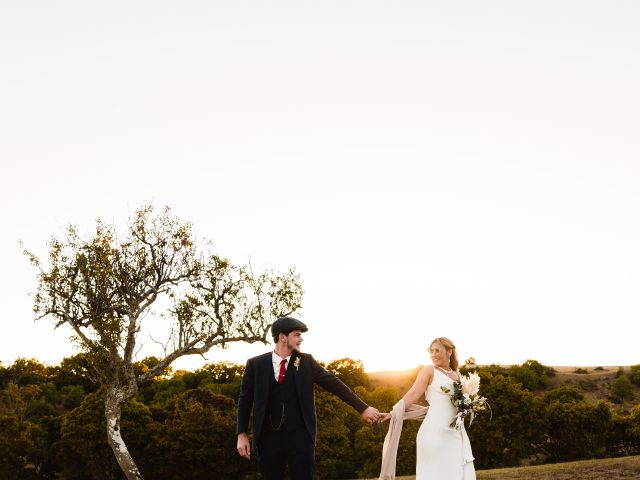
(254, 391)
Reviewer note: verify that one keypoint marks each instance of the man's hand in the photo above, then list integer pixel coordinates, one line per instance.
(371, 415)
(244, 449)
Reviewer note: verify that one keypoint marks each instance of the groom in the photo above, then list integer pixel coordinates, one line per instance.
(279, 386)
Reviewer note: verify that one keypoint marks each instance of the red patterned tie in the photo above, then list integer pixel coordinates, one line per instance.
(283, 368)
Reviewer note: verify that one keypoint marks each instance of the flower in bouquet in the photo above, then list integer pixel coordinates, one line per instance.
(471, 384)
(466, 399)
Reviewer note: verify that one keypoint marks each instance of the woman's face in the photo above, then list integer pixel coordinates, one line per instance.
(439, 354)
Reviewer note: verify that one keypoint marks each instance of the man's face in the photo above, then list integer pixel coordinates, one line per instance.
(294, 339)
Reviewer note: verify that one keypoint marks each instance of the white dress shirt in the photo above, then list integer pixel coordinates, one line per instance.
(275, 360)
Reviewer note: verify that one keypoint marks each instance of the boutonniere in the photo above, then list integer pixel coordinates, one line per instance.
(296, 363)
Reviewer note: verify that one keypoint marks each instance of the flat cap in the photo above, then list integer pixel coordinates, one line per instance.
(286, 325)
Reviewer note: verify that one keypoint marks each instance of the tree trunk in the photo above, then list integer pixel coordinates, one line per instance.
(113, 411)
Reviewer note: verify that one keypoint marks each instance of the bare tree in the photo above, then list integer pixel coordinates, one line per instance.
(104, 288)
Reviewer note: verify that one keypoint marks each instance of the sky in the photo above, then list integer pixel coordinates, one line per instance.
(460, 169)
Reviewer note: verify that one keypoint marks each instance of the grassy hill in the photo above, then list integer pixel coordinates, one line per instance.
(608, 468)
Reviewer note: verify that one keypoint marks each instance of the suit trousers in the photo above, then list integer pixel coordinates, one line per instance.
(278, 449)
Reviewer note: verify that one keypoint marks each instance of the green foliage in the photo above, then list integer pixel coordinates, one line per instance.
(18, 449)
(351, 372)
(577, 430)
(588, 385)
(633, 429)
(76, 371)
(198, 431)
(489, 372)
(15, 400)
(222, 372)
(71, 396)
(369, 439)
(26, 371)
(624, 433)
(162, 390)
(83, 452)
(564, 395)
(531, 374)
(516, 429)
(581, 371)
(182, 425)
(28, 425)
(622, 389)
(367, 451)
(146, 364)
(334, 448)
(634, 375)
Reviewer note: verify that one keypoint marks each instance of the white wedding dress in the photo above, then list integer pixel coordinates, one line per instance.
(444, 453)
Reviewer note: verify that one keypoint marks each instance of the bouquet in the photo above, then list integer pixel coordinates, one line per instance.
(466, 399)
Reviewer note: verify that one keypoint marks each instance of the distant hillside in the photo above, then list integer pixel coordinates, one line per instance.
(401, 380)
(594, 381)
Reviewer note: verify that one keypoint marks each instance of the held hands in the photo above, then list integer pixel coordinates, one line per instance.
(244, 449)
(384, 417)
(371, 415)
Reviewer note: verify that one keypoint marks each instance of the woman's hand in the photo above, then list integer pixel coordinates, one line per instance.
(384, 417)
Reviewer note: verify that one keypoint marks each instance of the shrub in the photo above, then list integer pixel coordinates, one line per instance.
(588, 385)
(516, 429)
(621, 389)
(83, 452)
(531, 374)
(577, 430)
(564, 395)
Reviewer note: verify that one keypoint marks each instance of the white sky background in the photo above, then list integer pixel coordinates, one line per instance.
(466, 169)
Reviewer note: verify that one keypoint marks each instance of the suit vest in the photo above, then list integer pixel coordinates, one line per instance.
(283, 408)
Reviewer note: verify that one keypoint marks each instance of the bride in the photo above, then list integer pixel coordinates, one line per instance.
(443, 453)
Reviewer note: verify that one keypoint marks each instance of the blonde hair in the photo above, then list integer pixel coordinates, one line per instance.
(449, 346)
